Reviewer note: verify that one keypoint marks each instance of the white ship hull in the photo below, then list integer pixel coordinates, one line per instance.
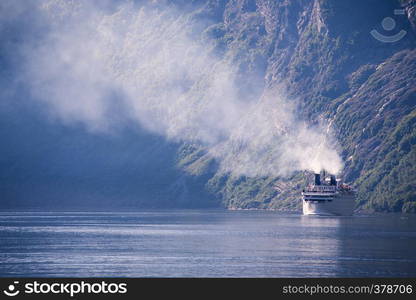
(340, 205)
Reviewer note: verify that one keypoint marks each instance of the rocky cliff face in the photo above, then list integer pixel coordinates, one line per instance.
(323, 53)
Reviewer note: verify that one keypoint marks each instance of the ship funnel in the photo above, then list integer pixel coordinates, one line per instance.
(317, 179)
(333, 180)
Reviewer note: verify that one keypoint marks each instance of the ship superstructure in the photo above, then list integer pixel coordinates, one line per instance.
(328, 196)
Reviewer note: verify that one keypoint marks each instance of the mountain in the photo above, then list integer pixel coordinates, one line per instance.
(321, 52)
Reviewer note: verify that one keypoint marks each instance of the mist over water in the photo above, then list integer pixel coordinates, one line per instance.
(104, 67)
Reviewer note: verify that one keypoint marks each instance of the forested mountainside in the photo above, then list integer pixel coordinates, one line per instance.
(323, 53)
(320, 52)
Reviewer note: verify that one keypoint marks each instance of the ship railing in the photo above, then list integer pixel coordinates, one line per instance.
(321, 189)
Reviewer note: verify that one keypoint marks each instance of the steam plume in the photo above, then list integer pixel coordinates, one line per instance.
(100, 66)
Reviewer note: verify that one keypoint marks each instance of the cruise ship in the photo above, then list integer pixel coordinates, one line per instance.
(328, 197)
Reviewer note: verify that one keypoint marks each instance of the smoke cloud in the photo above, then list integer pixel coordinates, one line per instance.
(102, 66)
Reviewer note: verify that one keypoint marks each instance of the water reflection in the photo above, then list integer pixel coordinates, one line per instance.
(322, 243)
(205, 244)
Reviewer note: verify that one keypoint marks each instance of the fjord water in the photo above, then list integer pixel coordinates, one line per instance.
(201, 243)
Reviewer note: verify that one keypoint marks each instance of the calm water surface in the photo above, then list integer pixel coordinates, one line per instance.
(190, 243)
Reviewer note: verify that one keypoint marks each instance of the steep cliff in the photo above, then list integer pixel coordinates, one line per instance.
(324, 54)
(320, 52)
